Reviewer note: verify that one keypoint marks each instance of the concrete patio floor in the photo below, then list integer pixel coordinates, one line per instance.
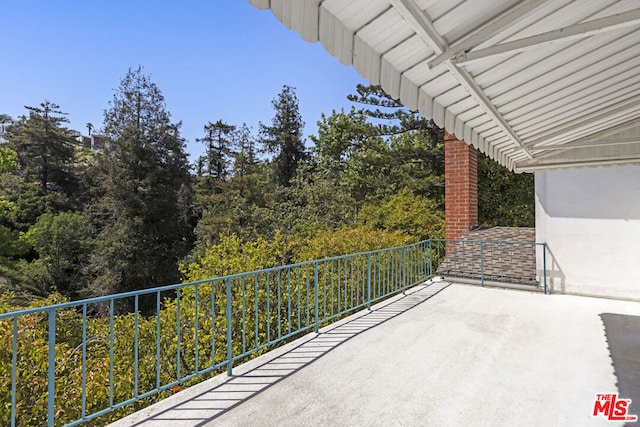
(443, 355)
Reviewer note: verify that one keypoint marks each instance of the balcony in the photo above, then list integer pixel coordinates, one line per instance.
(370, 338)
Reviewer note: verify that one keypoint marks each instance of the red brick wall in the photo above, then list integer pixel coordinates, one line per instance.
(461, 186)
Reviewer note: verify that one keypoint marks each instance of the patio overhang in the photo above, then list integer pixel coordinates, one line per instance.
(534, 84)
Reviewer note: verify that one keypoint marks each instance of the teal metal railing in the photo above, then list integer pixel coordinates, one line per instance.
(102, 361)
(74, 362)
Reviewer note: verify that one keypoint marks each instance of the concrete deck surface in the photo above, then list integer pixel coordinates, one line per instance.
(443, 355)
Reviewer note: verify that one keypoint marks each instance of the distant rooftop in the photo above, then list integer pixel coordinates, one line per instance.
(503, 256)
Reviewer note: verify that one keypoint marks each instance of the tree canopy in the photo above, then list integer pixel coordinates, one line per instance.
(85, 222)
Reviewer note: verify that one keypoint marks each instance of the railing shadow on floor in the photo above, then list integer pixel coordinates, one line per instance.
(204, 403)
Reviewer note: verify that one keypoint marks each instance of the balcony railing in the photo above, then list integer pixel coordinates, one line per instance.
(79, 361)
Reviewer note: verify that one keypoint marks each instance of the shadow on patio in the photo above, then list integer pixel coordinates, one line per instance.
(204, 403)
(444, 354)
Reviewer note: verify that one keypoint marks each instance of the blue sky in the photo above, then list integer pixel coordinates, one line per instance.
(212, 60)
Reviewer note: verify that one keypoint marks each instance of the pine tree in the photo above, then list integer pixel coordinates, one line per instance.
(390, 115)
(146, 191)
(284, 137)
(245, 158)
(218, 149)
(44, 147)
(413, 151)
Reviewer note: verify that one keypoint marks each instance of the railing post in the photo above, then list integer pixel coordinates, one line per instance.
(14, 367)
(544, 265)
(430, 260)
(481, 265)
(51, 390)
(229, 335)
(403, 273)
(317, 291)
(369, 281)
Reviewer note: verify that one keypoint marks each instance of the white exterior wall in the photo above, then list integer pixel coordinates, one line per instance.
(590, 220)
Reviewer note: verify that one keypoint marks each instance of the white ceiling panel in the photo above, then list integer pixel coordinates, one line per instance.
(536, 84)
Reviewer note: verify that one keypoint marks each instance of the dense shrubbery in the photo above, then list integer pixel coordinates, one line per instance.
(255, 323)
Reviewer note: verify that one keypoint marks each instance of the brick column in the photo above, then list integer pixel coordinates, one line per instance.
(461, 186)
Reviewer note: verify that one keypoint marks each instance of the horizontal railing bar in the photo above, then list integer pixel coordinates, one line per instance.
(176, 286)
(361, 280)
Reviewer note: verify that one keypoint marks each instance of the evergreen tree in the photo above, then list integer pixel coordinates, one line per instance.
(218, 149)
(245, 158)
(391, 117)
(44, 147)
(284, 137)
(340, 135)
(143, 211)
(412, 153)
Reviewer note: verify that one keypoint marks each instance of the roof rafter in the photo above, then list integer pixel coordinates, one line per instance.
(590, 144)
(571, 100)
(577, 31)
(487, 30)
(466, 80)
(608, 115)
(420, 23)
(595, 161)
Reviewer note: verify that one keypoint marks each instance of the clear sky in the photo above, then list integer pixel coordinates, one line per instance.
(212, 59)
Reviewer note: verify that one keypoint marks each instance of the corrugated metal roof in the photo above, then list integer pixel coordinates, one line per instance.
(534, 84)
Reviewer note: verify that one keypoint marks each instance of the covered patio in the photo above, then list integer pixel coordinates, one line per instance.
(444, 354)
(548, 87)
(543, 87)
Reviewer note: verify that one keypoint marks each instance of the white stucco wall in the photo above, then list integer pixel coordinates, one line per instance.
(590, 220)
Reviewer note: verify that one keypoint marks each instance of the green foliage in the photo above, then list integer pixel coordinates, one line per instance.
(340, 135)
(145, 192)
(245, 161)
(44, 147)
(389, 115)
(405, 211)
(284, 137)
(64, 243)
(215, 163)
(348, 241)
(232, 255)
(504, 198)
(8, 160)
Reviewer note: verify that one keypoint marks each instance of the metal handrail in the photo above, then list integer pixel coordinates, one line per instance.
(208, 325)
(257, 310)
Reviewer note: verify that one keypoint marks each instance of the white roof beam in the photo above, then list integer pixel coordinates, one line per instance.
(601, 143)
(573, 32)
(487, 30)
(588, 121)
(421, 24)
(485, 103)
(596, 161)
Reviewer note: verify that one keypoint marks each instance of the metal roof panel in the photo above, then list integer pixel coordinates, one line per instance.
(520, 80)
